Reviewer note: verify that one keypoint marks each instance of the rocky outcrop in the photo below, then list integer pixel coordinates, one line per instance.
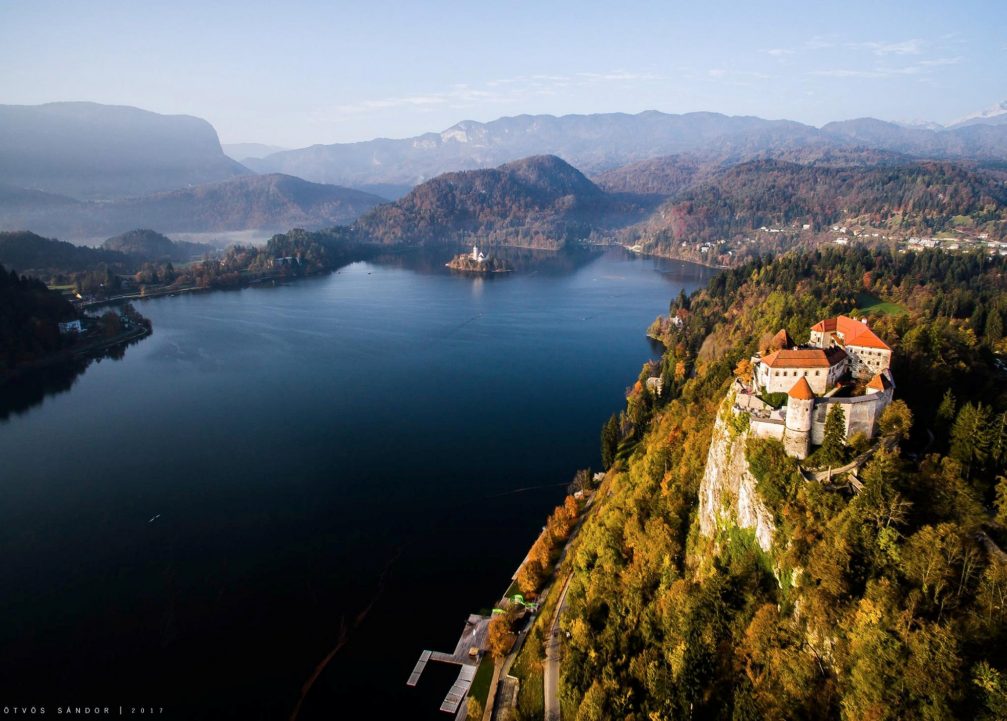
(727, 493)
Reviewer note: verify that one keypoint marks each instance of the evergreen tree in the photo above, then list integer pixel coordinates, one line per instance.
(834, 444)
(609, 441)
(994, 330)
(946, 410)
(970, 436)
(998, 439)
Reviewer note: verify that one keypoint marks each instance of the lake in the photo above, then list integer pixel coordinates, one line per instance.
(352, 462)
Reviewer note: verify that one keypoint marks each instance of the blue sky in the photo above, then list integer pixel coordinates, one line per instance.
(299, 72)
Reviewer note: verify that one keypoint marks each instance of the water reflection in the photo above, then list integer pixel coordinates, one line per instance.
(32, 386)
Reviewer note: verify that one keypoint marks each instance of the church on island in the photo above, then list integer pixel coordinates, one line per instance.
(843, 363)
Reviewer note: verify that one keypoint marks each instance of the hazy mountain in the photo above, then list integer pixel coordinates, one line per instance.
(151, 245)
(994, 115)
(592, 143)
(540, 201)
(93, 151)
(976, 142)
(919, 124)
(268, 202)
(242, 151)
(597, 143)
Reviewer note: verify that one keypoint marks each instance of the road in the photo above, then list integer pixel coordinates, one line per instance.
(553, 651)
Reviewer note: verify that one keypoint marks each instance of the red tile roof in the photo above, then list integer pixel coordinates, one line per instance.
(854, 332)
(879, 382)
(801, 390)
(804, 358)
(781, 340)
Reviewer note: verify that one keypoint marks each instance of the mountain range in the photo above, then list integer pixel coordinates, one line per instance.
(84, 171)
(596, 143)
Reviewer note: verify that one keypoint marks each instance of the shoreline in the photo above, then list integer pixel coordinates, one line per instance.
(93, 349)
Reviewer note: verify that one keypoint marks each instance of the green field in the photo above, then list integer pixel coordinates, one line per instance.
(872, 304)
(481, 683)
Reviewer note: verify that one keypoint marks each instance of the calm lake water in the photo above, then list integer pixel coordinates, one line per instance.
(357, 462)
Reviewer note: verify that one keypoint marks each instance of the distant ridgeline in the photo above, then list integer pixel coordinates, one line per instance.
(698, 208)
(721, 577)
(144, 259)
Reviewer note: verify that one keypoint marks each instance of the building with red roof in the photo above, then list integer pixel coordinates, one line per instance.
(869, 355)
(840, 349)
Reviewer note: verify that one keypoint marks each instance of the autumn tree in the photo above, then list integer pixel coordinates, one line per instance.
(571, 506)
(896, 420)
(530, 577)
(561, 522)
(542, 550)
(501, 638)
(744, 370)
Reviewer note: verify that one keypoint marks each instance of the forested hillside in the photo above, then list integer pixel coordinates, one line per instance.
(538, 202)
(28, 252)
(29, 320)
(887, 603)
(925, 197)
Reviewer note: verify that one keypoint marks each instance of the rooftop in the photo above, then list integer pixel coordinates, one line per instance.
(804, 358)
(801, 390)
(854, 332)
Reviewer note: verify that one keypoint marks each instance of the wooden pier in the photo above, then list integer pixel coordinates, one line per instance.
(414, 677)
(459, 689)
(473, 637)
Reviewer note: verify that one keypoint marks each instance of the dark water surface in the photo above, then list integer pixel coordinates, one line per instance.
(339, 459)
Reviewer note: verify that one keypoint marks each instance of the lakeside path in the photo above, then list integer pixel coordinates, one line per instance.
(553, 652)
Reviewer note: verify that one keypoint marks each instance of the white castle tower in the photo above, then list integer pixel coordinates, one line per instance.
(797, 431)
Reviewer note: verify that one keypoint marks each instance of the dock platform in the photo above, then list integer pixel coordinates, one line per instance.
(473, 636)
(414, 677)
(459, 689)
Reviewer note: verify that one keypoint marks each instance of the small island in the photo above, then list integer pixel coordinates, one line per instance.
(476, 262)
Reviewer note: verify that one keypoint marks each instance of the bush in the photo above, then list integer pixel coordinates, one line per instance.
(775, 472)
(776, 400)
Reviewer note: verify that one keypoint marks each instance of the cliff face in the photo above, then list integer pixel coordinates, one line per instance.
(727, 493)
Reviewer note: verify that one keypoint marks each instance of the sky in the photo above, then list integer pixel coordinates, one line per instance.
(303, 72)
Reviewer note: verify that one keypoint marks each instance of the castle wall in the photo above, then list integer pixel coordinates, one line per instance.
(766, 428)
(867, 362)
(862, 414)
(776, 380)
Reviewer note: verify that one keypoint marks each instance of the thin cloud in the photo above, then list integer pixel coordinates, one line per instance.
(937, 62)
(499, 91)
(922, 67)
(780, 52)
(903, 47)
(721, 73)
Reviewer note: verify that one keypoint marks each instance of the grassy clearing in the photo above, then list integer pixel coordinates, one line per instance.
(481, 683)
(872, 304)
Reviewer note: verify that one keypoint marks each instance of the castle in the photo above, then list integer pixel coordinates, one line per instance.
(844, 363)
